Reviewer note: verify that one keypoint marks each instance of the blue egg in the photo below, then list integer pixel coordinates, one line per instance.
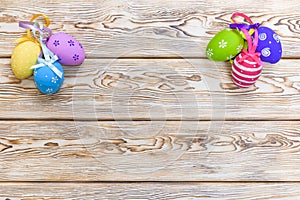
(269, 45)
(46, 80)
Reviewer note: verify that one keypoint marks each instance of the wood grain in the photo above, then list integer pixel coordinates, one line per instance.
(149, 151)
(130, 114)
(150, 191)
(117, 28)
(155, 89)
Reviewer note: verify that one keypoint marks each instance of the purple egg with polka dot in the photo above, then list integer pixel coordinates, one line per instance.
(269, 45)
(67, 48)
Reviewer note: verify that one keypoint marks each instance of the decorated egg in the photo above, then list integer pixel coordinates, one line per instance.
(67, 48)
(245, 70)
(269, 45)
(24, 55)
(46, 80)
(225, 45)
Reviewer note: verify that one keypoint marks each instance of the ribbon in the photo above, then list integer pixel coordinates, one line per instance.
(30, 26)
(42, 62)
(50, 58)
(235, 25)
(251, 47)
(244, 26)
(41, 15)
(238, 14)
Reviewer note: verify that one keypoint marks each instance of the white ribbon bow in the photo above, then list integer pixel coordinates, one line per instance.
(50, 57)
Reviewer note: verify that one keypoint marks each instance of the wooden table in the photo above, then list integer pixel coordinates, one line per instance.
(147, 116)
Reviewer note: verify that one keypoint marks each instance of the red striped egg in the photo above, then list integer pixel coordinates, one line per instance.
(246, 71)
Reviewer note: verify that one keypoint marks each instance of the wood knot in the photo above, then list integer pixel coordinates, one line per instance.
(4, 147)
(194, 78)
(51, 144)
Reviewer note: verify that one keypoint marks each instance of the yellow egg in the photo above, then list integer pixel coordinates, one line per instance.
(24, 55)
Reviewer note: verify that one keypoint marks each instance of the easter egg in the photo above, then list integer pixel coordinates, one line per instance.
(46, 80)
(245, 72)
(269, 45)
(225, 45)
(24, 55)
(67, 48)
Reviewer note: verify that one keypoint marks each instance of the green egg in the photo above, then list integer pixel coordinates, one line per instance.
(225, 45)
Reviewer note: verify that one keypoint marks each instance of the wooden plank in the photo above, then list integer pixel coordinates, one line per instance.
(149, 151)
(117, 28)
(155, 89)
(151, 191)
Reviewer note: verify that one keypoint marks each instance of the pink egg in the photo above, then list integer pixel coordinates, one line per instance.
(67, 48)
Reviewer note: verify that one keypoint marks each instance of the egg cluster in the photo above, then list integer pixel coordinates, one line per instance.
(246, 45)
(41, 53)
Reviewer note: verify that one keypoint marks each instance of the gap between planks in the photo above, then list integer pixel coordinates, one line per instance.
(143, 120)
(150, 191)
(159, 57)
(150, 182)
